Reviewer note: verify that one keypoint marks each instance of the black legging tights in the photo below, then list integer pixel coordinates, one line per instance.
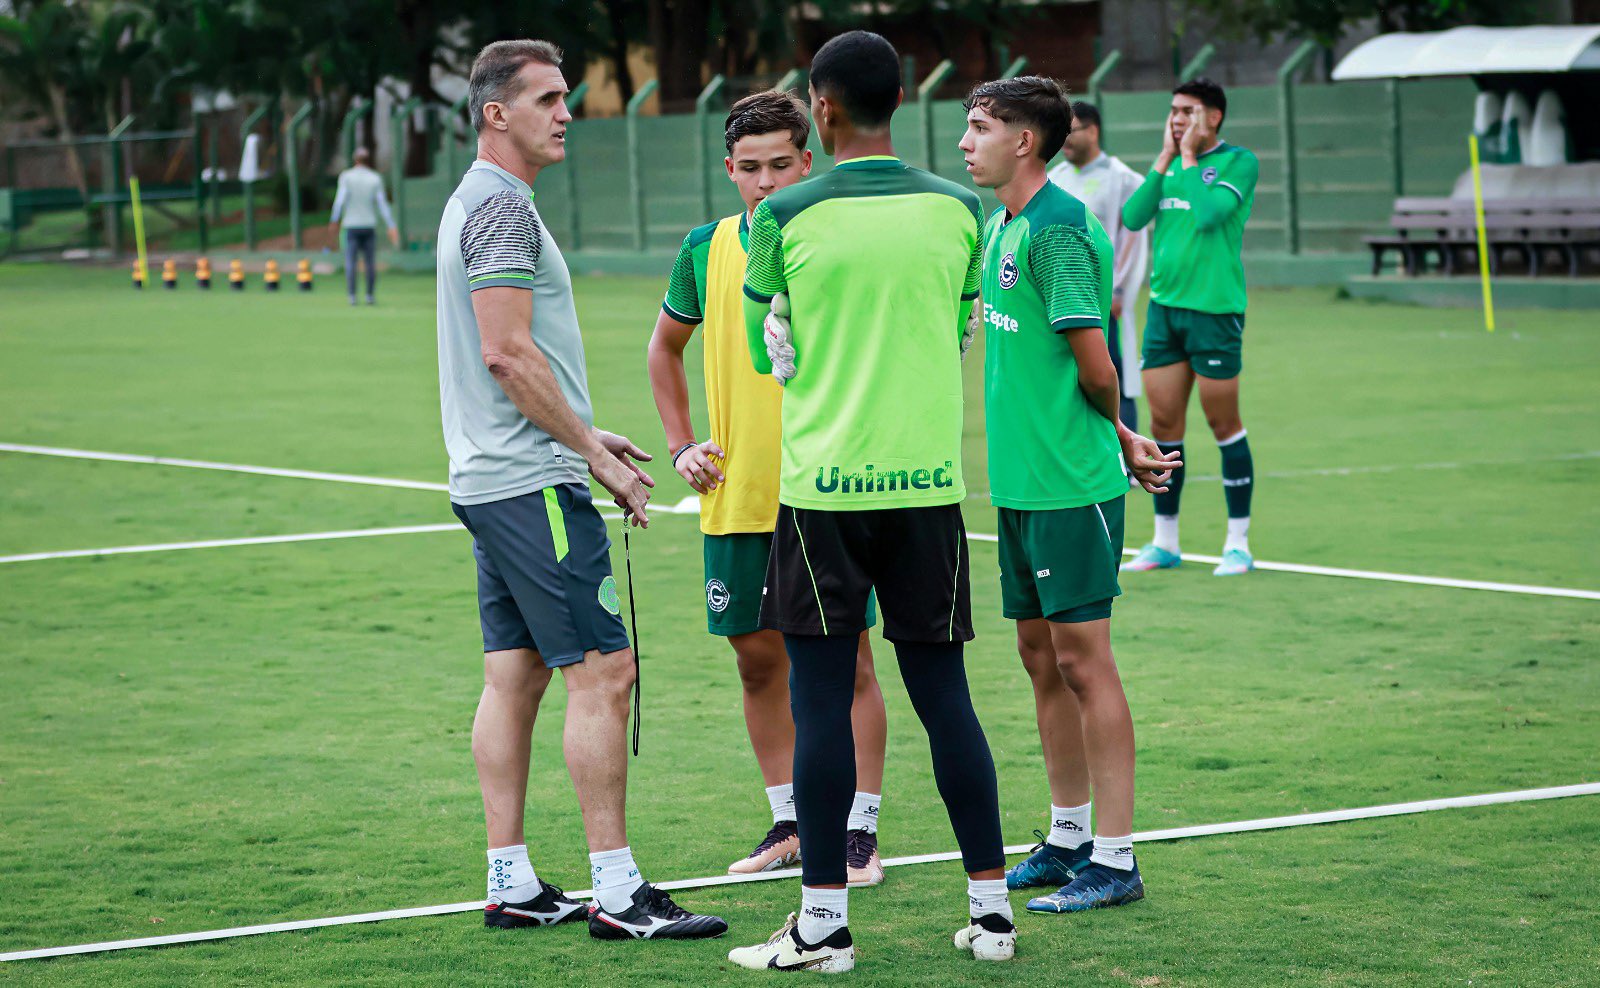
(821, 687)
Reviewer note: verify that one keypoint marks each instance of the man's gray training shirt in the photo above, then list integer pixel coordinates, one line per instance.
(490, 235)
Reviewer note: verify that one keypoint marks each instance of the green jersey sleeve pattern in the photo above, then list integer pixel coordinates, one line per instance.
(969, 289)
(763, 271)
(686, 287)
(1141, 207)
(1066, 270)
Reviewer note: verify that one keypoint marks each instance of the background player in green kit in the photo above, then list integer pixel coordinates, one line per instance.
(1195, 325)
(1055, 473)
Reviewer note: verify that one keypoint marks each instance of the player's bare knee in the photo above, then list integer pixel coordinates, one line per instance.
(1224, 426)
(758, 673)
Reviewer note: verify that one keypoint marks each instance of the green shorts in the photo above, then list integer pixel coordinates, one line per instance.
(736, 575)
(1212, 344)
(1061, 564)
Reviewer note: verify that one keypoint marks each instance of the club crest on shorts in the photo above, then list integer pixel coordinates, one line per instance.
(1008, 270)
(1209, 175)
(717, 596)
(608, 595)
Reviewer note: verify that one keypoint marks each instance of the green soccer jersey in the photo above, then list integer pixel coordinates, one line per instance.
(1046, 271)
(880, 262)
(1199, 215)
(686, 288)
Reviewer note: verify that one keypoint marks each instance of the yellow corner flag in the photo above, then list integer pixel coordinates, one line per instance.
(138, 222)
(1483, 236)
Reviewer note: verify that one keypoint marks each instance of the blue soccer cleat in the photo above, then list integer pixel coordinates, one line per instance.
(1048, 865)
(1095, 887)
(1152, 557)
(1235, 562)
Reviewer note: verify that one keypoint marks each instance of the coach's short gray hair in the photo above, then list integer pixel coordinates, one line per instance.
(494, 77)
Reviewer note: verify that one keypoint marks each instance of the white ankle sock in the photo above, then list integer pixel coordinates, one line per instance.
(782, 800)
(1113, 852)
(1238, 534)
(822, 912)
(511, 877)
(988, 896)
(864, 812)
(1166, 536)
(1069, 826)
(615, 879)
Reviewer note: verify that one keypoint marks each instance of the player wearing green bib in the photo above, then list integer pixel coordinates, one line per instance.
(1195, 326)
(1055, 474)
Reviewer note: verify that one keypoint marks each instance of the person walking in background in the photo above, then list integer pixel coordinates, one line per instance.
(360, 204)
(1105, 184)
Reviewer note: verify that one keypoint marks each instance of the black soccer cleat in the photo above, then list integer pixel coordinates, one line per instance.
(549, 907)
(653, 916)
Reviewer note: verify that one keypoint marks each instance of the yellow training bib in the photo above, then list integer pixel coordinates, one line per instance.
(745, 407)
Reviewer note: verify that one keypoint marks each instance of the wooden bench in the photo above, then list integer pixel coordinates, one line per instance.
(1443, 234)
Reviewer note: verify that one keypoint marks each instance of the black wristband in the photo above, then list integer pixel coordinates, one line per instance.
(686, 447)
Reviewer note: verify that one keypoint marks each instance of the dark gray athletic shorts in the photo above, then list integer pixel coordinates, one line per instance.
(544, 575)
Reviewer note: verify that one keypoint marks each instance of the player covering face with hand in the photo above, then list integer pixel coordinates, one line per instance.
(1056, 448)
(735, 471)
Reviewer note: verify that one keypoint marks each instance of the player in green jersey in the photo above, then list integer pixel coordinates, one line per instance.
(879, 263)
(1056, 449)
(1195, 325)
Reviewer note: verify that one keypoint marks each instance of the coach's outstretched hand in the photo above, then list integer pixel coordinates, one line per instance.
(1150, 466)
(629, 485)
(974, 323)
(779, 348)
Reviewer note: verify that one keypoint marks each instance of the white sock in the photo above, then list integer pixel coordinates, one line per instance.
(1166, 536)
(822, 912)
(511, 877)
(1113, 852)
(1238, 534)
(782, 800)
(988, 896)
(615, 879)
(864, 812)
(1069, 826)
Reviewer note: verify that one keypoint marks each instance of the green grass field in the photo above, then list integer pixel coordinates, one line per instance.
(201, 739)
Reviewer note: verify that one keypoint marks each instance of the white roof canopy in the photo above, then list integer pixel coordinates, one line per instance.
(1474, 51)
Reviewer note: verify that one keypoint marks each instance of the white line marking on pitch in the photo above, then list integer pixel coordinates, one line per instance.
(1363, 574)
(690, 506)
(1174, 833)
(121, 550)
(167, 461)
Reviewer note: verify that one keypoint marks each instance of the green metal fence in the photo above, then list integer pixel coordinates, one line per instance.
(641, 180)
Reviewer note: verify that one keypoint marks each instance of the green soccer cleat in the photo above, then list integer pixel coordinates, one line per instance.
(1152, 557)
(1235, 562)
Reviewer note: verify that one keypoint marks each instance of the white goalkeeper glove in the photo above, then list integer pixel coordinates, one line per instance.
(974, 322)
(776, 330)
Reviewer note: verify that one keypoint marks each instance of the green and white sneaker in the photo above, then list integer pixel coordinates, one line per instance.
(1152, 557)
(1235, 562)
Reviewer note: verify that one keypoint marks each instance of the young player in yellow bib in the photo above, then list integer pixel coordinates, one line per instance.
(736, 473)
(1056, 449)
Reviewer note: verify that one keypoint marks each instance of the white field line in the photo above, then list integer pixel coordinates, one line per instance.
(687, 506)
(1175, 833)
(1363, 574)
(167, 461)
(121, 550)
(1385, 468)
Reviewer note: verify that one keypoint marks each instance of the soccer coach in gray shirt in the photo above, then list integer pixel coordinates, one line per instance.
(519, 429)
